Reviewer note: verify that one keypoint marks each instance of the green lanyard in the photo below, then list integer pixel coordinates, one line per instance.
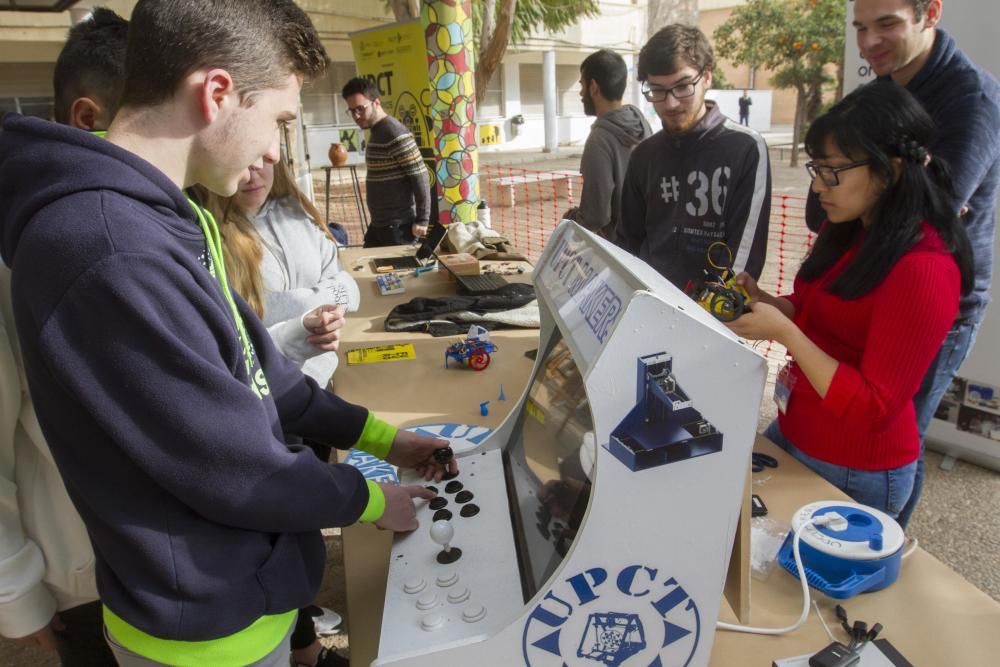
(214, 242)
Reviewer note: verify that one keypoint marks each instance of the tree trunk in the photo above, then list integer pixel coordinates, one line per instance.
(489, 23)
(492, 53)
(800, 104)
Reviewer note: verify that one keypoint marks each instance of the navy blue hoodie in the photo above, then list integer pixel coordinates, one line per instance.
(202, 519)
(964, 101)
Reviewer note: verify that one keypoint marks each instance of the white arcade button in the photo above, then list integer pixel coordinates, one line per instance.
(473, 613)
(414, 585)
(446, 579)
(428, 601)
(432, 622)
(459, 595)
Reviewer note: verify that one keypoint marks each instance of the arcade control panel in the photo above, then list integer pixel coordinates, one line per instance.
(456, 577)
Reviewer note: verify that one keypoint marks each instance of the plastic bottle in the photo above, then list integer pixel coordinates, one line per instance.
(483, 214)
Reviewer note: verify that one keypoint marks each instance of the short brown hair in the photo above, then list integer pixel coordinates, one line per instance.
(672, 48)
(259, 42)
(919, 7)
(91, 63)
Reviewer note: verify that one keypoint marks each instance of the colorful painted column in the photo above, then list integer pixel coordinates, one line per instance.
(452, 106)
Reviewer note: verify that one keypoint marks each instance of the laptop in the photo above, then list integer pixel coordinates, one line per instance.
(422, 257)
(484, 283)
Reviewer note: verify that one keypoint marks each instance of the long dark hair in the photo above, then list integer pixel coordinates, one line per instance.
(885, 125)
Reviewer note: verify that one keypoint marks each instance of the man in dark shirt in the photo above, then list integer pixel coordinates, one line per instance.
(702, 179)
(745, 103)
(899, 39)
(397, 186)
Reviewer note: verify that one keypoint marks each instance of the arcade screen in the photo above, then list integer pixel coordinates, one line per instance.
(549, 465)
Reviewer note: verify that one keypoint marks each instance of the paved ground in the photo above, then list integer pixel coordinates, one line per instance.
(957, 520)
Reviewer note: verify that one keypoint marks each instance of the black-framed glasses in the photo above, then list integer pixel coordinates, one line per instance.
(359, 111)
(830, 175)
(680, 91)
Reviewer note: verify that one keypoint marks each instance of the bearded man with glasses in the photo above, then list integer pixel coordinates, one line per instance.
(397, 187)
(703, 178)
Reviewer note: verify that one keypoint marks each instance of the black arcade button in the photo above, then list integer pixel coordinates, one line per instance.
(469, 510)
(464, 496)
(442, 515)
(438, 503)
(453, 487)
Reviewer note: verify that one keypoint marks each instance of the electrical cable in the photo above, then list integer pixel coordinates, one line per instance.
(820, 617)
(815, 521)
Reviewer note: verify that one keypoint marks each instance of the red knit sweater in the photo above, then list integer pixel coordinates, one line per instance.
(885, 342)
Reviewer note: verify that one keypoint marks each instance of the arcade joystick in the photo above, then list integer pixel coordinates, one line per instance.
(444, 455)
(442, 532)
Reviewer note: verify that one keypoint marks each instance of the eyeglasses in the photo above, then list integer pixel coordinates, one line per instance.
(359, 111)
(679, 91)
(830, 175)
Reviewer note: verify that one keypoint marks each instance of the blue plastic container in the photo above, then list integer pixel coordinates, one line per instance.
(861, 556)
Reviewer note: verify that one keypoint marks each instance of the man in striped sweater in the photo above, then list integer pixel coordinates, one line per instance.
(397, 186)
(703, 178)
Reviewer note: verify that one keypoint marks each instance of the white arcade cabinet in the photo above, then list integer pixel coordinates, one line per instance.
(595, 525)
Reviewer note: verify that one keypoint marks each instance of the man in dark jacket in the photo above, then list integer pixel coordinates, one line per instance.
(900, 40)
(702, 179)
(618, 129)
(162, 398)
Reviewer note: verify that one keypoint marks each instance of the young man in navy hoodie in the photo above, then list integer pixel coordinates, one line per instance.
(900, 40)
(160, 394)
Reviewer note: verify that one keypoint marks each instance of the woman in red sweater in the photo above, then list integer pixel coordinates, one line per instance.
(873, 300)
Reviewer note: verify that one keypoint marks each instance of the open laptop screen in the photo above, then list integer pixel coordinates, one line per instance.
(430, 242)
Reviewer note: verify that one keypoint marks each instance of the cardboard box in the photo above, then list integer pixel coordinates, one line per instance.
(462, 264)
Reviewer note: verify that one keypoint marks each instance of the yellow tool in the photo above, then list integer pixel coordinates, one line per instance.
(370, 355)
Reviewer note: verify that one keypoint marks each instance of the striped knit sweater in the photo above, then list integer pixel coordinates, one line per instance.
(884, 342)
(397, 185)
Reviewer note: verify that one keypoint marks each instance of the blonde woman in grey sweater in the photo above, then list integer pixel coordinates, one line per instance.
(282, 260)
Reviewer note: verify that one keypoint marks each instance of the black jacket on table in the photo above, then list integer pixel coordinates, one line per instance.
(684, 192)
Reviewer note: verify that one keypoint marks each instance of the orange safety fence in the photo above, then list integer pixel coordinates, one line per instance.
(526, 206)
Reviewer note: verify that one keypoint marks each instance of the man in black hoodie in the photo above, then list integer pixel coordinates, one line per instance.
(161, 396)
(618, 129)
(702, 178)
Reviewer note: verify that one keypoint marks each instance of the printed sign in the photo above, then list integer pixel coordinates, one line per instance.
(489, 135)
(609, 617)
(588, 296)
(394, 58)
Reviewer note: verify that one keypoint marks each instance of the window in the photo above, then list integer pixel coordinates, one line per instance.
(28, 106)
(567, 90)
(322, 103)
(490, 101)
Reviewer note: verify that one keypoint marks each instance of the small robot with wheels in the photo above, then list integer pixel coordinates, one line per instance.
(475, 348)
(717, 291)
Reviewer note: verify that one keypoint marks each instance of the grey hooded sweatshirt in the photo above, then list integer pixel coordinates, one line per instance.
(605, 157)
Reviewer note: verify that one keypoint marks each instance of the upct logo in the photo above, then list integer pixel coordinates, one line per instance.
(639, 618)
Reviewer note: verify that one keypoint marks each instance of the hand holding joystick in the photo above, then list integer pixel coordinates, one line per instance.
(442, 532)
(444, 455)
